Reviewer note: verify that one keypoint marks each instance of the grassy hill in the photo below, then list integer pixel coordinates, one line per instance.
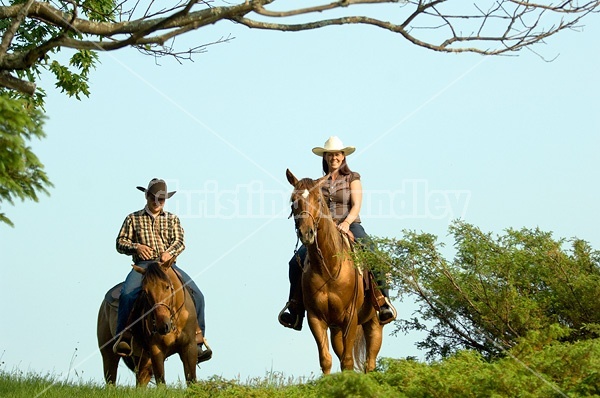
(557, 370)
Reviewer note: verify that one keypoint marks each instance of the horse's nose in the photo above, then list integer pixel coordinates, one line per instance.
(165, 328)
(307, 237)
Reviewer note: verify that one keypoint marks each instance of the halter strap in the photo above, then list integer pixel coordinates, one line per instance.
(174, 314)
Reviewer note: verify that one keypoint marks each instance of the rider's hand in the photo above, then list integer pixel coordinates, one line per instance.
(166, 256)
(343, 227)
(144, 252)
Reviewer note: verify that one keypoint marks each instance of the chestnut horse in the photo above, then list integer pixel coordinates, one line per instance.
(164, 323)
(332, 287)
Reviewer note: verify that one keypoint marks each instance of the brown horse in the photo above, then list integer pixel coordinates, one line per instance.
(164, 323)
(332, 288)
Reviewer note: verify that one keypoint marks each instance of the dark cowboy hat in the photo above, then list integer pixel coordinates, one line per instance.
(157, 188)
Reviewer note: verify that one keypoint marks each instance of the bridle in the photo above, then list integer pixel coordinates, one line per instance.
(316, 227)
(173, 314)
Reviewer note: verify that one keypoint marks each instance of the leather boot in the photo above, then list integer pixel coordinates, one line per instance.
(387, 312)
(293, 317)
(292, 314)
(123, 345)
(204, 351)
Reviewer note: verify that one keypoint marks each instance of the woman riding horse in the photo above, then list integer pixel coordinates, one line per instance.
(342, 190)
(333, 288)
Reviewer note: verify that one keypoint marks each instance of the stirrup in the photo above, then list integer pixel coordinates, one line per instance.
(121, 346)
(295, 324)
(204, 355)
(392, 309)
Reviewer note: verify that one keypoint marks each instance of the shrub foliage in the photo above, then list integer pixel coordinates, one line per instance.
(495, 291)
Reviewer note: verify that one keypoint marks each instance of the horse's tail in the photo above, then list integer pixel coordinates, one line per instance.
(359, 352)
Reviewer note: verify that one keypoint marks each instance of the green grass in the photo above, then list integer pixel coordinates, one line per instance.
(273, 385)
(557, 370)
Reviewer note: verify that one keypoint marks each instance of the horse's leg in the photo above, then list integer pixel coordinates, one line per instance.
(374, 336)
(144, 372)
(110, 360)
(158, 366)
(319, 331)
(347, 360)
(337, 341)
(188, 356)
(111, 364)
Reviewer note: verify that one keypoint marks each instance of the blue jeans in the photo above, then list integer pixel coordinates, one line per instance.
(133, 286)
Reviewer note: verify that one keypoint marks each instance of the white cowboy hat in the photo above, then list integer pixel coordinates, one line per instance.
(333, 144)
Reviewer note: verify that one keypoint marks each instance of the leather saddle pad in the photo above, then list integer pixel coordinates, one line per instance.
(112, 296)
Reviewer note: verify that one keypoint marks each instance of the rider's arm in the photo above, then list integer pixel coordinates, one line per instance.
(177, 244)
(355, 200)
(125, 243)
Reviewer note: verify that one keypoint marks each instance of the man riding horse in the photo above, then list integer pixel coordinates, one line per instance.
(153, 235)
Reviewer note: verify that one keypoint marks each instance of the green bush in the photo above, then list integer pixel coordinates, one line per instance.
(559, 369)
(495, 291)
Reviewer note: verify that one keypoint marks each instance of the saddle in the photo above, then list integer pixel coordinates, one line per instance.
(112, 296)
(372, 292)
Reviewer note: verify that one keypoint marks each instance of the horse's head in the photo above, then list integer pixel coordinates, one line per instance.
(307, 206)
(159, 292)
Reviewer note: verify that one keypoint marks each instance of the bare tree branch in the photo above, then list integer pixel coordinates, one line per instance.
(490, 27)
(12, 30)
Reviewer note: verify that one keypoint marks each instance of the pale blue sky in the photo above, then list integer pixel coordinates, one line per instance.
(500, 142)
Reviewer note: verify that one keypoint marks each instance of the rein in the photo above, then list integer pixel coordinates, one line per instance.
(319, 252)
(174, 314)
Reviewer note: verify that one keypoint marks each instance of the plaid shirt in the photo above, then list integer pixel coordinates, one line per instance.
(338, 194)
(162, 233)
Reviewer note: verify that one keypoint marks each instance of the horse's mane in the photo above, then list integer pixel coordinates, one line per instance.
(155, 274)
(333, 239)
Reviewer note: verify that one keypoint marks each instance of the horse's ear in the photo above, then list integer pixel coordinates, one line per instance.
(139, 269)
(290, 177)
(167, 264)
